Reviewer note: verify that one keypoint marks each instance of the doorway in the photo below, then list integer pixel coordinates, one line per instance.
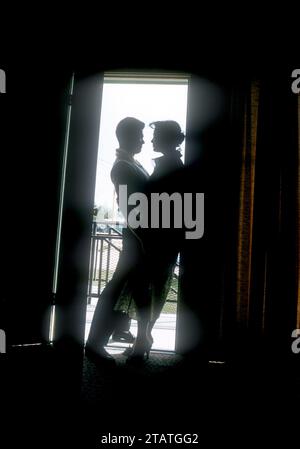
(148, 98)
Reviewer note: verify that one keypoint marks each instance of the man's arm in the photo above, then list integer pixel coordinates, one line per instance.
(124, 174)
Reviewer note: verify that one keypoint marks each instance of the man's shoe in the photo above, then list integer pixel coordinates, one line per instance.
(99, 355)
(123, 336)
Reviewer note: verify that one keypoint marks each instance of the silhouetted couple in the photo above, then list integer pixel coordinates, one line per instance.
(148, 257)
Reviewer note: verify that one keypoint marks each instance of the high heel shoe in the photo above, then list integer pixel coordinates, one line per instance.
(128, 351)
(140, 351)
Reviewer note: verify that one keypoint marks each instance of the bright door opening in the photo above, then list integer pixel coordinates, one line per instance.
(148, 98)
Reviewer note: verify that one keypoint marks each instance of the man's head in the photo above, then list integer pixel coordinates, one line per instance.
(129, 133)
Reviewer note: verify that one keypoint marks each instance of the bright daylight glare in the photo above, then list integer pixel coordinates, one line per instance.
(147, 102)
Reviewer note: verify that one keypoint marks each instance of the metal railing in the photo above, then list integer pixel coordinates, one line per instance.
(106, 246)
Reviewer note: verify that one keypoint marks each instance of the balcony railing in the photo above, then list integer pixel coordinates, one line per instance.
(105, 249)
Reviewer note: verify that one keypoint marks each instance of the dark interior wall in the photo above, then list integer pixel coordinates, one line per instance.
(33, 126)
(214, 160)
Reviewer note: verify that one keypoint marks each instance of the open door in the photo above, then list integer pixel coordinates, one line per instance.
(74, 230)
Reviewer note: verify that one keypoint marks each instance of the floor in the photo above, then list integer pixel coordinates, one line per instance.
(53, 397)
(163, 332)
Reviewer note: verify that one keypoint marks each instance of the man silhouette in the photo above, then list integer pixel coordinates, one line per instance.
(125, 171)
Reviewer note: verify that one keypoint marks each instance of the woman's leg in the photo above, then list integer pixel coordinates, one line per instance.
(142, 300)
(161, 280)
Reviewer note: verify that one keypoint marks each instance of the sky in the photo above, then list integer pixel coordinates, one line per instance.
(148, 103)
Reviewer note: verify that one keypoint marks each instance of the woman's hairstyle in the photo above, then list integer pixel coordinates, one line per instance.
(169, 130)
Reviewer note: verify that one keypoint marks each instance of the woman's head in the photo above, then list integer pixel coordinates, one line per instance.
(167, 136)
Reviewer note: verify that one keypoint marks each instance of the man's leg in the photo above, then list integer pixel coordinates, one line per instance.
(103, 321)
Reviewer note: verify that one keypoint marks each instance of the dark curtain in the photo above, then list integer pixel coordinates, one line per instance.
(240, 280)
(266, 276)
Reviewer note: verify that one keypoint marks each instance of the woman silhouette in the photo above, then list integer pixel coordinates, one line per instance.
(164, 244)
(161, 245)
